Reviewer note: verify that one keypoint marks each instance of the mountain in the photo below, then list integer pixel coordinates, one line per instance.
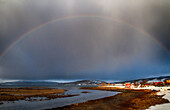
(85, 82)
(29, 83)
(150, 80)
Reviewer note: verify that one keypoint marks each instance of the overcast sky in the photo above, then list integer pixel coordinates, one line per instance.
(85, 47)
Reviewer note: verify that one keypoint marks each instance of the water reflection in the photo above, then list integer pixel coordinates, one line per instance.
(59, 102)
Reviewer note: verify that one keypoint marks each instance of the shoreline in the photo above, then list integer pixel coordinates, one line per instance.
(165, 106)
(31, 94)
(128, 98)
(58, 102)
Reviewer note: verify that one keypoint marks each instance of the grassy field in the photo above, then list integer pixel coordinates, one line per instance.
(13, 94)
(128, 99)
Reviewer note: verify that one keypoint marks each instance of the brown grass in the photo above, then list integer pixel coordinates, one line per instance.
(128, 99)
(85, 92)
(12, 94)
(29, 91)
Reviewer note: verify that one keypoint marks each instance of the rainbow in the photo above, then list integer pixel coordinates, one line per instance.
(25, 35)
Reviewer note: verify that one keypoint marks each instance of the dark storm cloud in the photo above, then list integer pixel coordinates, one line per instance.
(83, 48)
(160, 28)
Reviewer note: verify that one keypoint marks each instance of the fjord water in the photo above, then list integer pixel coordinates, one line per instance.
(58, 102)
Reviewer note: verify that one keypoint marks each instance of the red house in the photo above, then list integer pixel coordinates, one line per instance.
(158, 83)
(128, 85)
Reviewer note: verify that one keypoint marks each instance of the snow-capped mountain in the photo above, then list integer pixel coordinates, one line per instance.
(85, 82)
(149, 80)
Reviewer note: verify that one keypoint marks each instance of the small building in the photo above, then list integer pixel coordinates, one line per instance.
(147, 85)
(128, 85)
(167, 82)
(159, 83)
(103, 84)
(109, 84)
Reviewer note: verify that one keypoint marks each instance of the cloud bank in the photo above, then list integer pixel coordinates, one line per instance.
(83, 47)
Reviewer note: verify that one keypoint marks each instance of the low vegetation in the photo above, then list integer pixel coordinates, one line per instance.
(128, 99)
(31, 93)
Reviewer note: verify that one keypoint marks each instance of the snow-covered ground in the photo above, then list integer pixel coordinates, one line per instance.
(162, 106)
(149, 87)
(154, 88)
(163, 90)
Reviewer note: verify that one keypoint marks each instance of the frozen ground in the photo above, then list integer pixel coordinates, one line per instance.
(162, 106)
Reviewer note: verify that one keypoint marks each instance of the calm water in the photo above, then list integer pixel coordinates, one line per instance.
(59, 102)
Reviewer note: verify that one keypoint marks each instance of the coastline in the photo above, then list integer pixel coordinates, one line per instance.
(31, 94)
(165, 106)
(128, 98)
